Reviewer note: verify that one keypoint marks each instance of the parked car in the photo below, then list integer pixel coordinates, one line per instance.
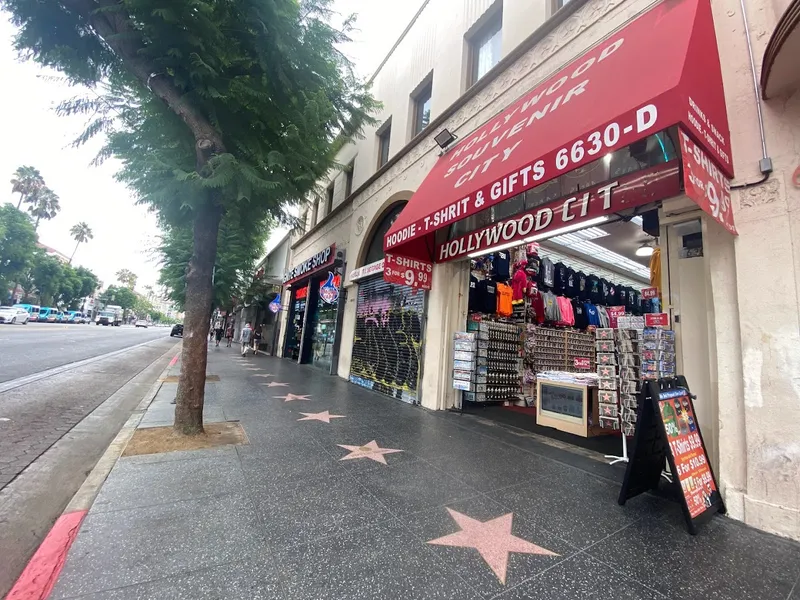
(32, 310)
(73, 316)
(13, 315)
(142, 323)
(61, 317)
(177, 330)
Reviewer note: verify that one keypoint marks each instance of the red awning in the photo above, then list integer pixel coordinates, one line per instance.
(660, 70)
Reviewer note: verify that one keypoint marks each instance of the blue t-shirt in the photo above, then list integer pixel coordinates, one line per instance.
(592, 316)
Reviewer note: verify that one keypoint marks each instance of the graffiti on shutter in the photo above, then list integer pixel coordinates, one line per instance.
(387, 347)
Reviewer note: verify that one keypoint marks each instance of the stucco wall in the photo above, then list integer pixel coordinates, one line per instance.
(753, 280)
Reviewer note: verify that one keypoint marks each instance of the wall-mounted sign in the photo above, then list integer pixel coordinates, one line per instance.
(582, 363)
(408, 271)
(649, 293)
(275, 305)
(705, 183)
(632, 190)
(367, 270)
(321, 259)
(301, 294)
(329, 289)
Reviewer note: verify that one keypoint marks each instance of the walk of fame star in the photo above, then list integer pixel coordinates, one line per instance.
(370, 450)
(492, 539)
(290, 397)
(275, 384)
(324, 416)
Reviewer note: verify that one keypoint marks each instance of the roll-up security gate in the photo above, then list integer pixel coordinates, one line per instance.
(387, 348)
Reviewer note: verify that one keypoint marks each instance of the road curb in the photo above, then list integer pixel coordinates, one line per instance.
(41, 573)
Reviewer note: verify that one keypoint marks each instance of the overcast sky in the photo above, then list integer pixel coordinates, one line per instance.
(123, 232)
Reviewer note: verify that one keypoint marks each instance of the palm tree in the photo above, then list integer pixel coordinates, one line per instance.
(80, 233)
(26, 182)
(127, 278)
(44, 205)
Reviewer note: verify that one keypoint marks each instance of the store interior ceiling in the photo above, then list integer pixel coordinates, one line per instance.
(612, 244)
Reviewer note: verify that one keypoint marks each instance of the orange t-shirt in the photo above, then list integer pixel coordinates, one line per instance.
(504, 297)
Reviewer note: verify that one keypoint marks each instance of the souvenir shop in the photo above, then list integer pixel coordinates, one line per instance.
(314, 311)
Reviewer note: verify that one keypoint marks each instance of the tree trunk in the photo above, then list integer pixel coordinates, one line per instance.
(73, 252)
(199, 296)
(21, 197)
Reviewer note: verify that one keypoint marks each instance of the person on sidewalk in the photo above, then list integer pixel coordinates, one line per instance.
(218, 331)
(256, 339)
(229, 334)
(246, 335)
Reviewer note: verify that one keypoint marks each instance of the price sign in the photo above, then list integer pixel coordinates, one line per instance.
(648, 293)
(614, 313)
(407, 271)
(705, 184)
(656, 320)
(583, 363)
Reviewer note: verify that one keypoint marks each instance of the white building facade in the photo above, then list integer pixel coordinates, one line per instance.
(734, 304)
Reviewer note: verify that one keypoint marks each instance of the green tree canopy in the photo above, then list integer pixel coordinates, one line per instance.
(118, 296)
(211, 107)
(48, 275)
(17, 247)
(127, 278)
(81, 233)
(44, 204)
(26, 182)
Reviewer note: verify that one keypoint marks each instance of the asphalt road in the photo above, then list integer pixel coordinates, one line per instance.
(65, 391)
(36, 347)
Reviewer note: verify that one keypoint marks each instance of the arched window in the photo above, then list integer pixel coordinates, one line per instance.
(375, 248)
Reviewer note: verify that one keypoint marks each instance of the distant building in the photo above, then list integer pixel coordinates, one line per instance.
(53, 252)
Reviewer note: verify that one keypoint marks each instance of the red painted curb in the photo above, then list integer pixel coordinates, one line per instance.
(41, 574)
(174, 360)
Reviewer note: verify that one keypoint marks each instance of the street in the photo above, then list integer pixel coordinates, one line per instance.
(55, 421)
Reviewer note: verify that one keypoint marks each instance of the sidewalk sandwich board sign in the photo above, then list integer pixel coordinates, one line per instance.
(667, 431)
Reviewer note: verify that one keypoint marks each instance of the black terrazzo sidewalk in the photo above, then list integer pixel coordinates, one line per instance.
(465, 510)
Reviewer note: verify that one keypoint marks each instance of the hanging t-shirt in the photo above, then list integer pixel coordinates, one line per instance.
(473, 294)
(612, 295)
(595, 294)
(591, 314)
(565, 308)
(551, 312)
(572, 283)
(560, 278)
(504, 296)
(602, 316)
(547, 273)
(501, 265)
(537, 303)
(486, 292)
(519, 284)
(622, 297)
(583, 287)
(579, 312)
(605, 286)
(534, 265)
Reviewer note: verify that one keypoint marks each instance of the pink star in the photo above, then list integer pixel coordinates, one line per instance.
(275, 384)
(324, 416)
(371, 451)
(290, 397)
(493, 541)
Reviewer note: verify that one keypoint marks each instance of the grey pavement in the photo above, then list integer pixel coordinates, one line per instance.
(284, 517)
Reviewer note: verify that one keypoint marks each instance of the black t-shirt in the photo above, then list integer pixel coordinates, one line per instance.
(501, 266)
(547, 274)
(595, 293)
(560, 278)
(583, 287)
(622, 297)
(572, 284)
(579, 310)
(612, 295)
(486, 292)
(604, 289)
(473, 294)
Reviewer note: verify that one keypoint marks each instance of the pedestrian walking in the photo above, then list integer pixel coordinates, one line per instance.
(256, 339)
(218, 330)
(229, 334)
(247, 333)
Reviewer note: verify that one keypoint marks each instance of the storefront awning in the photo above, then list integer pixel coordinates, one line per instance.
(779, 72)
(660, 70)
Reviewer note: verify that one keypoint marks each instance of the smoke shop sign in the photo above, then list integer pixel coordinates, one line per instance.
(319, 260)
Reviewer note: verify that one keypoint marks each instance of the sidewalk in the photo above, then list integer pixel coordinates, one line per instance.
(440, 506)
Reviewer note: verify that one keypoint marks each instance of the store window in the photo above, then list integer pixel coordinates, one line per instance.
(329, 200)
(559, 4)
(654, 150)
(384, 138)
(485, 47)
(422, 107)
(375, 248)
(322, 322)
(348, 178)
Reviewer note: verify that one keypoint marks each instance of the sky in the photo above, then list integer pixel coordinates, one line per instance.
(124, 233)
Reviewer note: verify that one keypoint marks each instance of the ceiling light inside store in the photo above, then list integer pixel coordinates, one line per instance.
(597, 253)
(563, 230)
(645, 249)
(638, 220)
(495, 249)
